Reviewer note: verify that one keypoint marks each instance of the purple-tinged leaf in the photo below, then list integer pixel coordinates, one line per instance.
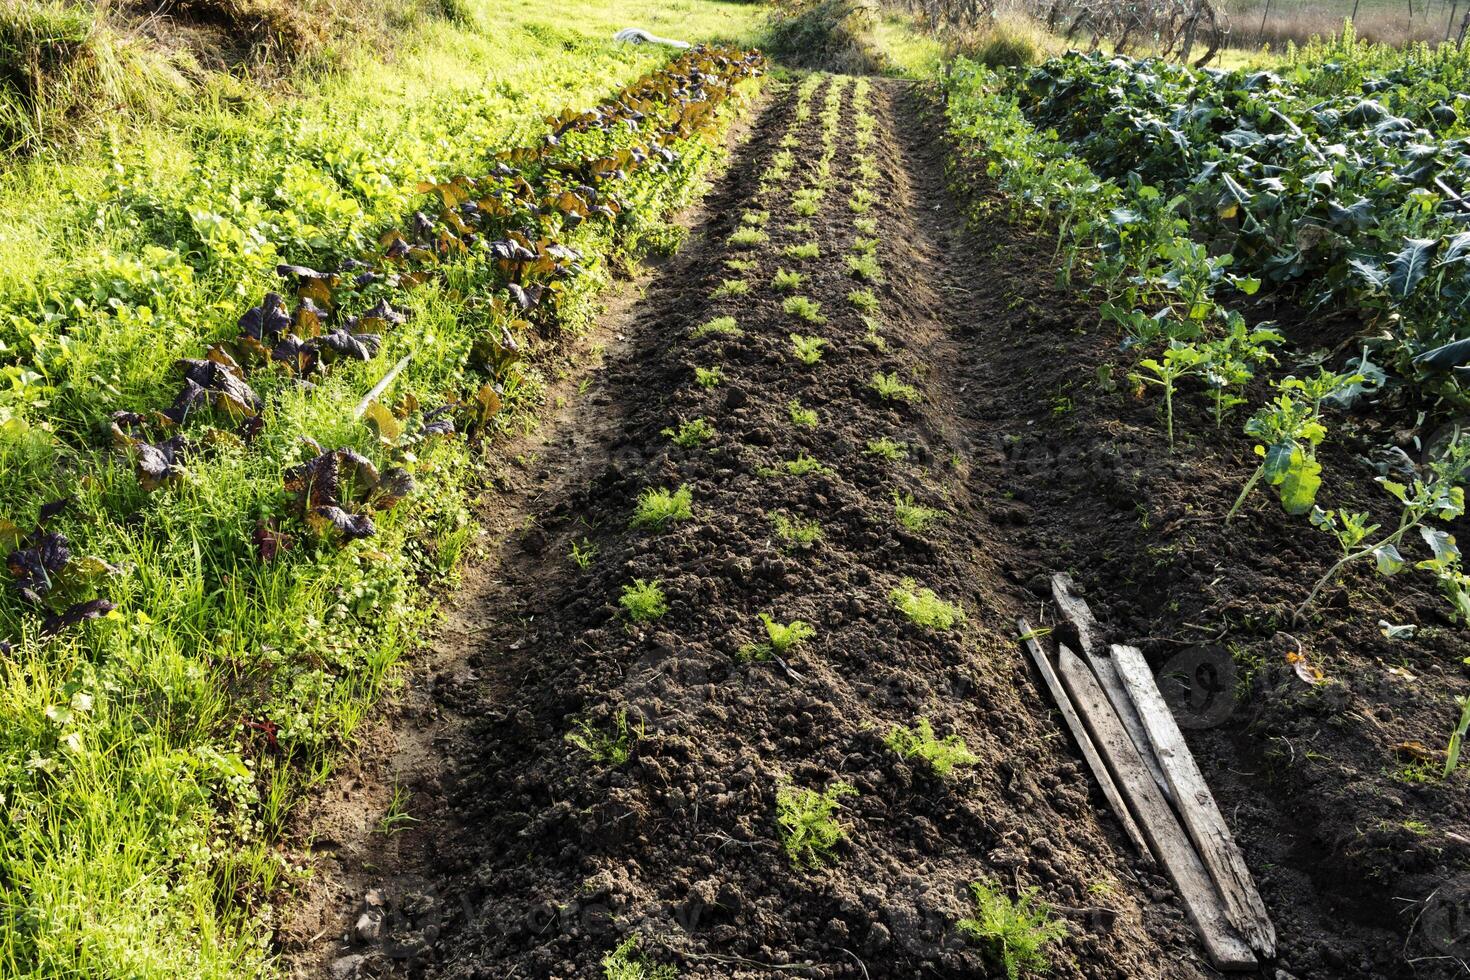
(74, 614)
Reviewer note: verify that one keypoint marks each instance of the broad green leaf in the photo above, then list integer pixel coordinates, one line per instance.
(1408, 267)
(1299, 487)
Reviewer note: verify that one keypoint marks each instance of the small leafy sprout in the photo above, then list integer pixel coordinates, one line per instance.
(803, 535)
(780, 639)
(396, 817)
(643, 601)
(941, 754)
(805, 206)
(690, 434)
(804, 465)
(730, 287)
(912, 515)
(866, 246)
(583, 553)
(808, 823)
(804, 418)
(874, 337)
(741, 265)
(808, 349)
(865, 267)
(709, 377)
(806, 250)
(1457, 737)
(891, 389)
(868, 226)
(724, 326)
(611, 748)
(864, 300)
(746, 237)
(800, 227)
(861, 201)
(786, 281)
(924, 608)
(804, 308)
(1180, 361)
(755, 219)
(626, 963)
(888, 450)
(658, 508)
(1015, 933)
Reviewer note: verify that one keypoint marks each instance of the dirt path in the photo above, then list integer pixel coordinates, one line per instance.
(531, 857)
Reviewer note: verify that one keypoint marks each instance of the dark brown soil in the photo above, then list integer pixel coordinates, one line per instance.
(533, 859)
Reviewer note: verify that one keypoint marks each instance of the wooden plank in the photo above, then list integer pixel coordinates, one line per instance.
(1089, 635)
(1079, 733)
(1201, 899)
(1202, 818)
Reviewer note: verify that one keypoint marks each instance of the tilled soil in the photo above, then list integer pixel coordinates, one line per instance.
(536, 858)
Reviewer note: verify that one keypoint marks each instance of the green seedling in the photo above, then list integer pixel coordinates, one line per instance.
(804, 418)
(583, 553)
(804, 308)
(1015, 934)
(780, 639)
(730, 287)
(643, 601)
(723, 326)
(691, 434)
(891, 389)
(746, 238)
(1457, 737)
(786, 281)
(658, 508)
(806, 250)
(886, 449)
(922, 607)
(912, 515)
(865, 267)
(800, 534)
(807, 349)
(626, 963)
(709, 377)
(808, 824)
(864, 300)
(611, 748)
(942, 755)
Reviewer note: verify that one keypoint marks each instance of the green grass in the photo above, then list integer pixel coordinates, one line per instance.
(142, 815)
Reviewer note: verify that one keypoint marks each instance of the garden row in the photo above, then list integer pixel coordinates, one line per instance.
(151, 760)
(1165, 244)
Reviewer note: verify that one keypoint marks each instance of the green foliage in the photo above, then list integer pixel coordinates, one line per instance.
(626, 963)
(807, 349)
(610, 747)
(924, 608)
(643, 601)
(802, 465)
(891, 388)
(746, 237)
(803, 534)
(730, 287)
(691, 434)
(804, 308)
(720, 326)
(886, 449)
(803, 418)
(1457, 737)
(709, 377)
(805, 250)
(807, 821)
(786, 281)
(781, 639)
(867, 226)
(658, 507)
(864, 300)
(1015, 933)
(912, 515)
(942, 755)
(864, 267)
(583, 553)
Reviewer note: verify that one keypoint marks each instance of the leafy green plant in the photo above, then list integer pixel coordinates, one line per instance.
(804, 308)
(802, 465)
(756, 219)
(804, 418)
(1287, 430)
(913, 515)
(891, 388)
(942, 755)
(808, 825)
(786, 281)
(626, 963)
(1457, 737)
(1440, 495)
(613, 747)
(691, 434)
(780, 640)
(583, 553)
(864, 300)
(742, 265)
(808, 349)
(864, 267)
(723, 326)
(924, 608)
(805, 250)
(868, 226)
(643, 601)
(862, 200)
(709, 377)
(886, 449)
(746, 237)
(1180, 361)
(803, 534)
(1229, 362)
(1016, 933)
(730, 287)
(658, 508)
